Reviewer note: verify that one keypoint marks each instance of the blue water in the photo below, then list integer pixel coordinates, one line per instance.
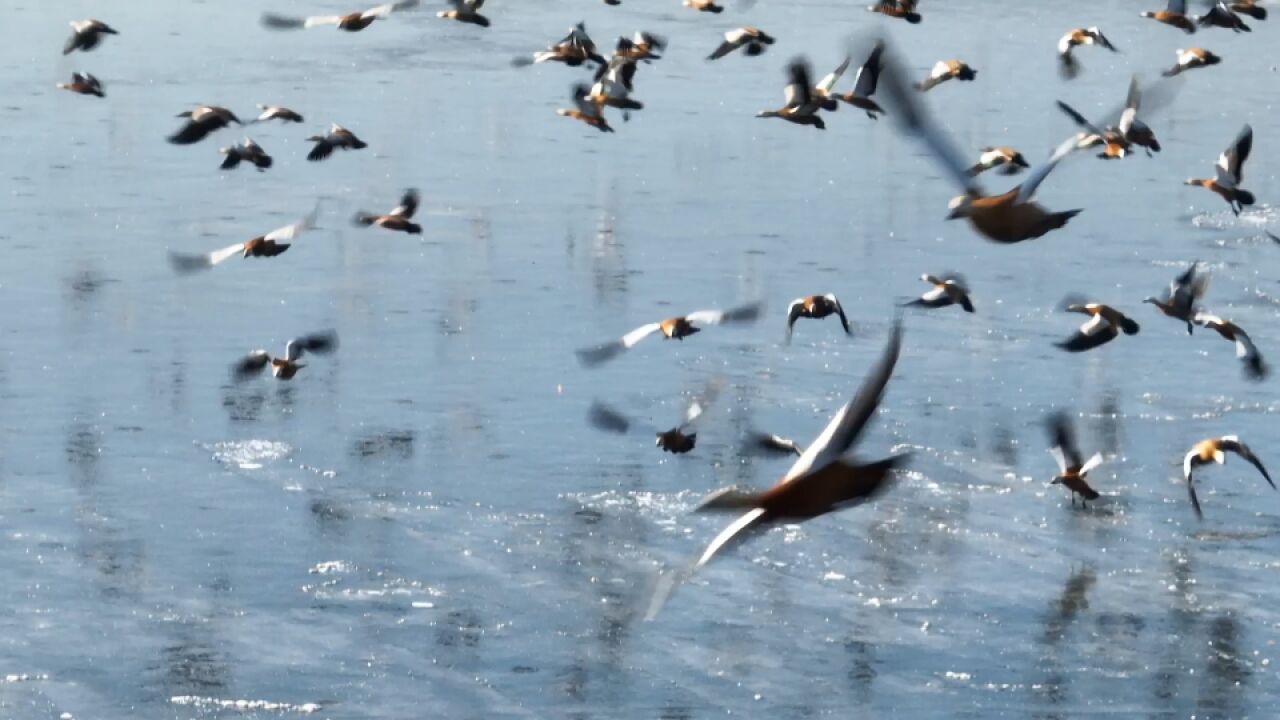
(424, 525)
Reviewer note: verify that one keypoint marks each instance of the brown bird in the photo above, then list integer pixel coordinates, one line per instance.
(587, 108)
(1191, 59)
(1229, 173)
(1214, 450)
(573, 50)
(904, 9)
(752, 40)
(822, 480)
(1252, 8)
(950, 289)
(864, 84)
(676, 328)
(1115, 145)
(1246, 351)
(1068, 66)
(640, 46)
(85, 35)
(1221, 15)
(338, 137)
(613, 86)
(248, 151)
(945, 70)
(268, 245)
(351, 22)
(801, 103)
(275, 112)
(1072, 468)
(1104, 325)
(284, 368)
(83, 84)
(399, 217)
(465, 11)
(202, 121)
(1175, 14)
(816, 307)
(704, 6)
(1180, 301)
(678, 440)
(1009, 161)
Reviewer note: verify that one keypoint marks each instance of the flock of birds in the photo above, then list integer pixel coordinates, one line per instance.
(824, 477)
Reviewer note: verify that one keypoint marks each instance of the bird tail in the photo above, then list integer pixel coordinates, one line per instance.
(913, 17)
(413, 228)
(1058, 219)
(1244, 197)
(715, 9)
(1129, 326)
(263, 161)
(359, 144)
(232, 161)
(1172, 71)
(966, 73)
(966, 304)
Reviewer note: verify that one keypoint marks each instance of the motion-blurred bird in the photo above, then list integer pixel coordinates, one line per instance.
(1221, 15)
(1175, 14)
(284, 368)
(202, 121)
(1214, 450)
(1105, 324)
(676, 328)
(945, 70)
(864, 85)
(1181, 300)
(275, 112)
(753, 41)
(83, 84)
(949, 289)
(816, 307)
(1068, 66)
(1229, 173)
(397, 219)
(801, 103)
(86, 34)
(678, 440)
(1072, 467)
(903, 9)
(1191, 59)
(268, 245)
(1246, 351)
(573, 50)
(587, 108)
(1009, 161)
(338, 137)
(465, 11)
(351, 22)
(248, 151)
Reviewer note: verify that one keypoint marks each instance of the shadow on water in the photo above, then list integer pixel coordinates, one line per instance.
(1054, 686)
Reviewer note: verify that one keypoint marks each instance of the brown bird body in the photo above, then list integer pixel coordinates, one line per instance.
(1174, 15)
(901, 9)
(1072, 467)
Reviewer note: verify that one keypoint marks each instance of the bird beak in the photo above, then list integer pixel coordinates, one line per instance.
(954, 214)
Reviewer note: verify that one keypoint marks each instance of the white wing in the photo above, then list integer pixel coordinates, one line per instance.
(828, 83)
(1091, 463)
(1064, 45)
(319, 20)
(933, 295)
(736, 36)
(1028, 188)
(1244, 346)
(817, 449)
(1186, 463)
(1061, 459)
(705, 317)
(229, 251)
(940, 70)
(289, 232)
(747, 520)
(1095, 323)
(640, 333)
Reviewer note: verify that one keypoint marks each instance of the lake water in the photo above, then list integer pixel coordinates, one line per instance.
(424, 525)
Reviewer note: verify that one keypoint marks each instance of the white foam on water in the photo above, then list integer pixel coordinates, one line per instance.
(248, 454)
(244, 705)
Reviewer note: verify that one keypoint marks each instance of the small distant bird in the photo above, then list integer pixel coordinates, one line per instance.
(351, 22)
(676, 328)
(816, 307)
(268, 245)
(1009, 161)
(822, 480)
(640, 46)
(904, 9)
(1246, 351)
(1104, 325)
(950, 289)
(202, 121)
(801, 103)
(678, 440)
(275, 112)
(758, 443)
(1180, 301)
(945, 70)
(1191, 59)
(864, 84)
(587, 109)
(248, 151)
(1214, 450)
(1175, 14)
(86, 34)
(84, 84)
(1068, 66)
(1072, 468)
(338, 137)
(284, 368)
(465, 11)
(399, 217)
(1229, 173)
(1221, 15)
(573, 50)
(1252, 8)
(704, 6)
(752, 40)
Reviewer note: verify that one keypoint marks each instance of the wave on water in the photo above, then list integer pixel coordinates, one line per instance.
(244, 705)
(248, 454)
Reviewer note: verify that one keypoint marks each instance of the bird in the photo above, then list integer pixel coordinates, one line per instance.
(678, 440)
(945, 70)
(86, 34)
(758, 443)
(1221, 15)
(338, 137)
(1009, 161)
(249, 151)
(1252, 8)
(704, 6)
(1181, 299)
(1104, 325)
(573, 50)
(284, 368)
(1174, 14)
(587, 109)
(864, 85)
(351, 22)
(1115, 145)
(202, 121)
(275, 112)
(949, 289)
(613, 85)
(1191, 59)
(816, 307)
(822, 480)
(1068, 66)
(1007, 218)
(801, 103)
(83, 84)
(676, 328)
(1133, 130)
(268, 245)
(904, 9)
(1072, 468)
(824, 92)
(640, 46)
(1214, 450)
(1229, 173)
(1246, 351)
(465, 11)
(752, 40)
(399, 217)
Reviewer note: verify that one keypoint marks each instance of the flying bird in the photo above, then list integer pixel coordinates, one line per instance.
(1246, 351)
(268, 245)
(1072, 467)
(678, 440)
(1214, 450)
(903, 9)
(587, 108)
(676, 328)
(338, 137)
(399, 217)
(1009, 161)
(1181, 300)
(1105, 324)
(816, 307)
(275, 112)
(1229, 173)
(1175, 14)
(1221, 15)
(351, 22)
(801, 103)
(202, 121)
(945, 70)
(83, 84)
(704, 6)
(573, 50)
(284, 368)
(752, 40)
(1068, 66)
(1252, 8)
(248, 151)
(1191, 59)
(465, 11)
(949, 289)
(864, 85)
(86, 34)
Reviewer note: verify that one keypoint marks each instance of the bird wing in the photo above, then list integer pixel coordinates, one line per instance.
(744, 313)
(794, 311)
(321, 342)
(408, 205)
(848, 422)
(1091, 463)
(1080, 342)
(250, 365)
(1027, 190)
(828, 82)
(1064, 441)
(1056, 452)
(186, 264)
(1178, 7)
(319, 20)
(726, 536)
(844, 320)
(1243, 451)
(289, 232)
(938, 292)
(799, 91)
(1130, 113)
(1231, 162)
(864, 84)
(640, 333)
(388, 8)
(772, 443)
(1094, 324)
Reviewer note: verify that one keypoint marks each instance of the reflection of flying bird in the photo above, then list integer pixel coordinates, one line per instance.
(351, 22)
(268, 245)
(676, 328)
(1072, 467)
(284, 368)
(1214, 450)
